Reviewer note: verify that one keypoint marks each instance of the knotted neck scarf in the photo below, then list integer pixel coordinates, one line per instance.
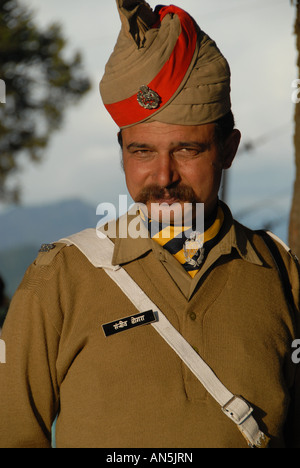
(188, 246)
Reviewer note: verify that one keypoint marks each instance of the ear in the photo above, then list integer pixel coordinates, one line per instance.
(120, 139)
(230, 148)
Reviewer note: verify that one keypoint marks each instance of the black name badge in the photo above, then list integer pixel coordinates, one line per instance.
(128, 323)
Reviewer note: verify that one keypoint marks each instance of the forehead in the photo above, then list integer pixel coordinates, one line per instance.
(156, 132)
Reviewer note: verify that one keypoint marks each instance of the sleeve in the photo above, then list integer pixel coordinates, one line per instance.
(29, 396)
(291, 263)
(293, 420)
(295, 411)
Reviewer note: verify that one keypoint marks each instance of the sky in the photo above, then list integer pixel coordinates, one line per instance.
(256, 36)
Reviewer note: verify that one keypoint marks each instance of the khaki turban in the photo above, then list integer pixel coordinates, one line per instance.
(164, 68)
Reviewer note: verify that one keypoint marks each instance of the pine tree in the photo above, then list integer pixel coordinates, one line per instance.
(40, 85)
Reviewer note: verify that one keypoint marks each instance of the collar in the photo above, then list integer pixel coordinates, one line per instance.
(233, 236)
(236, 236)
(127, 248)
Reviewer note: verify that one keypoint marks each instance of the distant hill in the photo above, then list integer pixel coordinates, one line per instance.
(24, 229)
(43, 224)
(13, 264)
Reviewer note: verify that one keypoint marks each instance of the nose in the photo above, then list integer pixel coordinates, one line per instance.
(165, 172)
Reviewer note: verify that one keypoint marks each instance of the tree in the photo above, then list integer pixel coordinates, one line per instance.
(294, 227)
(40, 84)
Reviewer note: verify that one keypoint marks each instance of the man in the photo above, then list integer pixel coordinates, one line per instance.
(75, 346)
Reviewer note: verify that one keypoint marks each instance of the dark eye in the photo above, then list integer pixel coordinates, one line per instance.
(186, 153)
(143, 152)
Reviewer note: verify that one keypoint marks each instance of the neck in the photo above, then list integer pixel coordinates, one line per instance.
(209, 218)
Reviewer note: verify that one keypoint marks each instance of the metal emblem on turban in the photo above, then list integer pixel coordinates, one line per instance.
(148, 98)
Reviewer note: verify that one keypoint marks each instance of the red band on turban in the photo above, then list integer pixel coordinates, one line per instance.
(168, 80)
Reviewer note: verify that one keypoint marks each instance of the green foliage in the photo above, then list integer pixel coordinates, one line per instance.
(40, 84)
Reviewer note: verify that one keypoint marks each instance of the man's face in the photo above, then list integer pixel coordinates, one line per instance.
(175, 164)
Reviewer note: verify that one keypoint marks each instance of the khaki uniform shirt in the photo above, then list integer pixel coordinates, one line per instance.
(131, 390)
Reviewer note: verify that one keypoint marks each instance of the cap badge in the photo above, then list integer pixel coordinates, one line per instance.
(148, 98)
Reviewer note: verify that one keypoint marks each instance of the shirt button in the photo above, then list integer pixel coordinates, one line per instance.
(193, 316)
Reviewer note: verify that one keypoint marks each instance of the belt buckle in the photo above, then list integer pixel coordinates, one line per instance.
(235, 411)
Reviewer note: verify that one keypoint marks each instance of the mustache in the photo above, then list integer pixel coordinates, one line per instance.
(154, 192)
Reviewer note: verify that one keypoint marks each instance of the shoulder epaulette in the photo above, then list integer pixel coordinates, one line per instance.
(270, 240)
(47, 253)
